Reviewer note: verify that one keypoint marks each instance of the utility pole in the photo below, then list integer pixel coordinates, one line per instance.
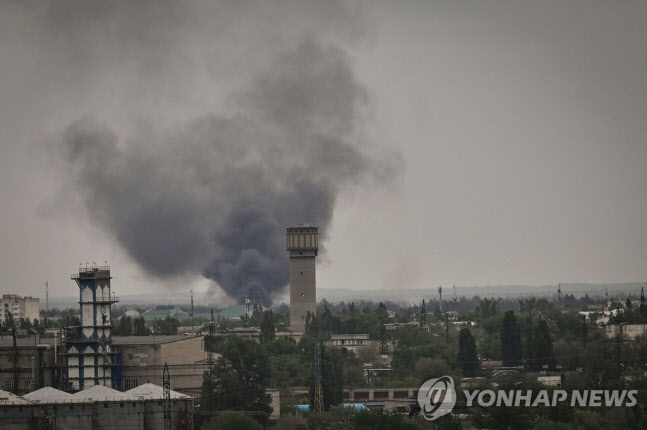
(212, 333)
(643, 305)
(166, 382)
(319, 406)
(248, 302)
(559, 294)
(191, 302)
(46, 302)
(49, 417)
(383, 347)
(423, 316)
(15, 363)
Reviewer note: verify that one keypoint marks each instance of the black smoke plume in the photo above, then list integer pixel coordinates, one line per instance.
(215, 196)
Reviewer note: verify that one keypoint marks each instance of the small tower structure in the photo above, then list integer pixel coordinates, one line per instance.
(303, 246)
(90, 355)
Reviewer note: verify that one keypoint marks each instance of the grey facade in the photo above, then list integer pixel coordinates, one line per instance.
(303, 245)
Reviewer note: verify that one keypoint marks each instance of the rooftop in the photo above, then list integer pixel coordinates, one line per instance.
(10, 398)
(148, 340)
(152, 391)
(99, 392)
(7, 341)
(48, 395)
(161, 312)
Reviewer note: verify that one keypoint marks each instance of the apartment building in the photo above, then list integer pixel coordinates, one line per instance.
(13, 305)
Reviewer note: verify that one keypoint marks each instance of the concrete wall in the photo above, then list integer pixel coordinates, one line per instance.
(186, 359)
(24, 368)
(118, 415)
(16, 418)
(127, 415)
(303, 290)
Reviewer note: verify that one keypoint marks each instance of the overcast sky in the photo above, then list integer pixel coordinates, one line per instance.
(476, 143)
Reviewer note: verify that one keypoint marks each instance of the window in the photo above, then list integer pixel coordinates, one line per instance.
(130, 383)
(27, 384)
(8, 385)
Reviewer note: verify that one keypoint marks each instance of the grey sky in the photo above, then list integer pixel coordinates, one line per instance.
(513, 133)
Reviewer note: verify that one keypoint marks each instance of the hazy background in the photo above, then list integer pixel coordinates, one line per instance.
(510, 136)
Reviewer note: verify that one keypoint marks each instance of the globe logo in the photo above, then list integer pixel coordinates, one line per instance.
(437, 397)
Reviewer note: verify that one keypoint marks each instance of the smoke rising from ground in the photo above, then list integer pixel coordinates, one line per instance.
(215, 195)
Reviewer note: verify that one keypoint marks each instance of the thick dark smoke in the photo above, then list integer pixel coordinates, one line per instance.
(215, 196)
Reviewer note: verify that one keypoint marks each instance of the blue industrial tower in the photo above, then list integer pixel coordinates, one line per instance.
(91, 358)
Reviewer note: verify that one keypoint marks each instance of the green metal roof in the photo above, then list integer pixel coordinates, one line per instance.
(161, 312)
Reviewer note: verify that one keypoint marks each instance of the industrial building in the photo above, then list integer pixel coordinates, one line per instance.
(98, 407)
(32, 362)
(17, 307)
(142, 359)
(303, 246)
(89, 351)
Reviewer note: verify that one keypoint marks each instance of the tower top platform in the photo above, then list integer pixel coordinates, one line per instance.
(102, 272)
(302, 238)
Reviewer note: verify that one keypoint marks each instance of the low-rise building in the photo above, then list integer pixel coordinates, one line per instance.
(350, 341)
(629, 331)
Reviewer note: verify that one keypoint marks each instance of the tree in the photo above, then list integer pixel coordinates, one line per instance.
(166, 326)
(351, 324)
(467, 358)
(239, 379)
(511, 340)
(337, 418)
(268, 329)
(542, 347)
(487, 307)
(427, 368)
(124, 327)
(139, 327)
(232, 421)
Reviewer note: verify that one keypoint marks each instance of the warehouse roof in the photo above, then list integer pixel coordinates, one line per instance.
(152, 391)
(7, 341)
(99, 392)
(7, 398)
(47, 395)
(162, 311)
(148, 340)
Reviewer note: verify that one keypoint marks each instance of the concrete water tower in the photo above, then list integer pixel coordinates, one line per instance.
(303, 244)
